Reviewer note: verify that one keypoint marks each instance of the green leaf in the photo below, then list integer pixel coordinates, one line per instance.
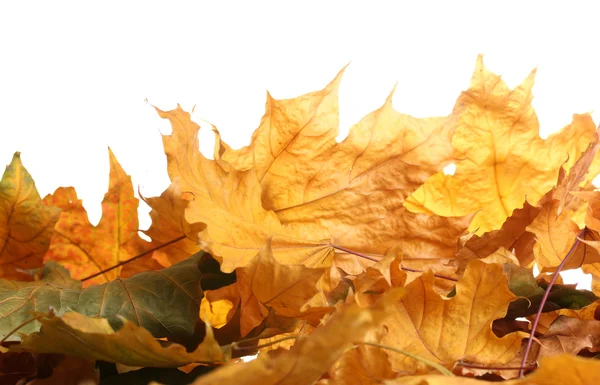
(166, 302)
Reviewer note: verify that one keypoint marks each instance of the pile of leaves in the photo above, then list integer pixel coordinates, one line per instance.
(359, 262)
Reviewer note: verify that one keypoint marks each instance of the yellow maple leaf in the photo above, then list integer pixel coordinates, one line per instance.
(500, 158)
(263, 283)
(26, 224)
(85, 249)
(314, 196)
(447, 330)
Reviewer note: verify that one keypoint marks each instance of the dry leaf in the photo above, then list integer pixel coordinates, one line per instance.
(85, 249)
(26, 223)
(500, 158)
(94, 339)
(460, 328)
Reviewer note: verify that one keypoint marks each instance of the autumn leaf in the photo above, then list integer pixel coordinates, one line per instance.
(85, 249)
(165, 302)
(500, 158)
(361, 365)
(447, 330)
(312, 195)
(581, 371)
(570, 335)
(15, 367)
(25, 222)
(94, 339)
(71, 370)
(310, 357)
(265, 283)
(168, 224)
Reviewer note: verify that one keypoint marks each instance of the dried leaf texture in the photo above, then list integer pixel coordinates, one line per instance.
(500, 158)
(311, 194)
(447, 330)
(86, 249)
(166, 302)
(26, 224)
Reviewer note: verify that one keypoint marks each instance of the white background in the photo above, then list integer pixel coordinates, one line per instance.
(74, 76)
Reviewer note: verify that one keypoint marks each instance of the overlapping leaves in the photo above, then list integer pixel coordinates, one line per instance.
(316, 242)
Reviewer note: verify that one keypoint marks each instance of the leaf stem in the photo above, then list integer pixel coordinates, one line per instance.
(543, 303)
(427, 362)
(370, 258)
(134, 258)
(236, 347)
(475, 366)
(10, 333)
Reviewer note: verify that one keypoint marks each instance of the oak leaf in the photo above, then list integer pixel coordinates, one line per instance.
(26, 224)
(86, 249)
(500, 158)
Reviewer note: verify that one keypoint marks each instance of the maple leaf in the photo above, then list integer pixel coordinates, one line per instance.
(93, 338)
(361, 365)
(448, 330)
(500, 158)
(25, 222)
(312, 195)
(165, 302)
(265, 283)
(86, 249)
(311, 356)
(168, 224)
(552, 371)
(570, 335)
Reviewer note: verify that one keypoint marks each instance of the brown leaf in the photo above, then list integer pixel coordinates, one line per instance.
(557, 370)
(71, 370)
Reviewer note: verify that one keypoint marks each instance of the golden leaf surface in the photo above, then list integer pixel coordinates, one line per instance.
(447, 330)
(500, 158)
(310, 357)
(26, 224)
(86, 249)
(93, 338)
(312, 195)
(168, 224)
(265, 283)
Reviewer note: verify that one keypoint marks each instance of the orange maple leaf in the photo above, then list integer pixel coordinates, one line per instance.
(26, 224)
(86, 249)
